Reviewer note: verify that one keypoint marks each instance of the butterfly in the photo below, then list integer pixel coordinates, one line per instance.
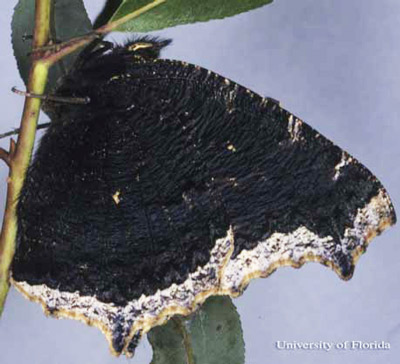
(172, 183)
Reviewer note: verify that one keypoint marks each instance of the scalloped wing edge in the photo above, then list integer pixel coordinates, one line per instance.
(222, 275)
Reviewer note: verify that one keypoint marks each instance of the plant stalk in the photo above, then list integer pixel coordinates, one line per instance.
(19, 155)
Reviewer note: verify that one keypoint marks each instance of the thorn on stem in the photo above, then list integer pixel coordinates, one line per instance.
(5, 156)
(13, 146)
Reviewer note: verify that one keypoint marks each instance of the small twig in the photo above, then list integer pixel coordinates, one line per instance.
(65, 100)
(16, 131)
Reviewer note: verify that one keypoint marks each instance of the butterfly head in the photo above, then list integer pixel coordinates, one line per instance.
(144, 47)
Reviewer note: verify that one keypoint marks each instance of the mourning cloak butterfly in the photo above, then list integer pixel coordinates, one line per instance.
(173, 184)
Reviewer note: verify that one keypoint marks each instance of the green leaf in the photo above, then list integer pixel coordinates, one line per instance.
(167, 343)
(69, 20)
(175, 12)
(212, 335)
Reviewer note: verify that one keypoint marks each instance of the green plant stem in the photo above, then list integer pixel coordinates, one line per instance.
(19, 154)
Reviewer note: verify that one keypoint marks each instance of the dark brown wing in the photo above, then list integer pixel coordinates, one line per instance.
(175, 183)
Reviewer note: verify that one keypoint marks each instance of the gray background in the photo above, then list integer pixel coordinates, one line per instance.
(335, 64)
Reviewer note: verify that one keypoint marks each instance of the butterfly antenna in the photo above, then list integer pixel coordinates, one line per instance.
(61, 99)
